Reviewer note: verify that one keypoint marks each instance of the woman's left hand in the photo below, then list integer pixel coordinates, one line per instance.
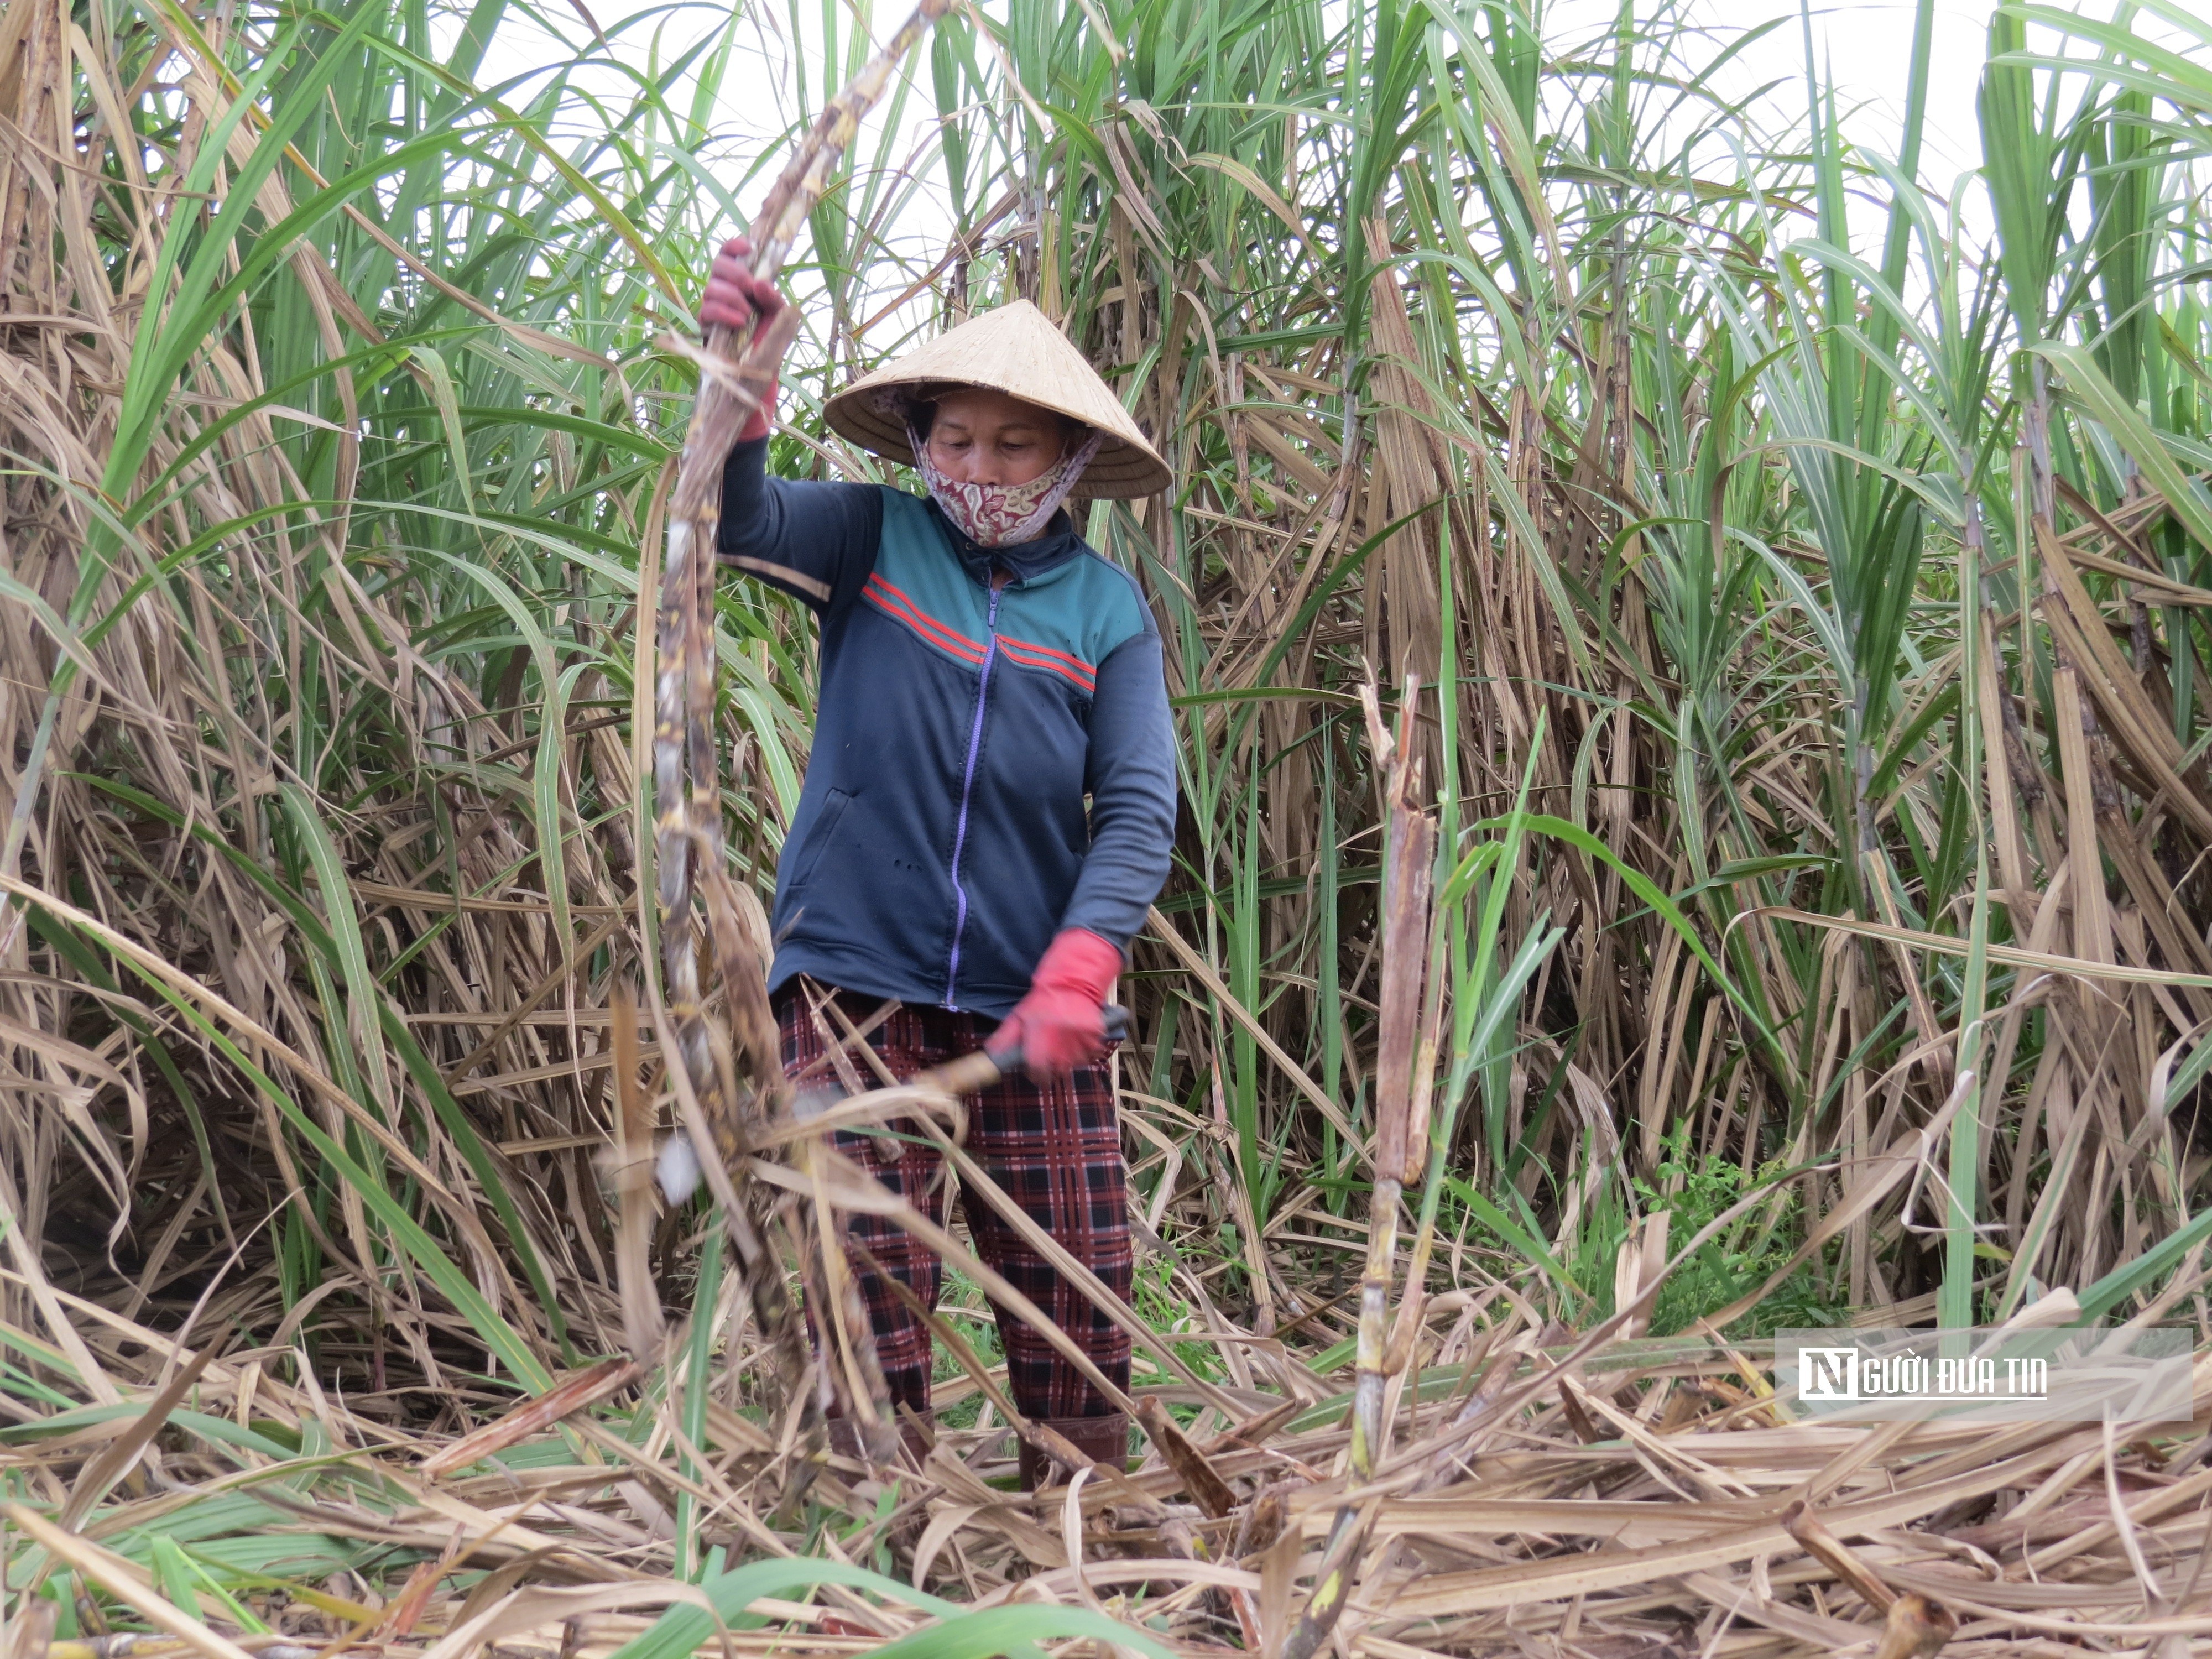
(1062, 1024)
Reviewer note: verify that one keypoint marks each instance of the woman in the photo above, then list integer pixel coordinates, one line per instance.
(983, 670)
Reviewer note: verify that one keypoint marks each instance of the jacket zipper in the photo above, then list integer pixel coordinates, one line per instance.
(967, 788)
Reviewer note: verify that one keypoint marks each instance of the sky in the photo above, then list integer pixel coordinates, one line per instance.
(1863, 46)
(1865, 49)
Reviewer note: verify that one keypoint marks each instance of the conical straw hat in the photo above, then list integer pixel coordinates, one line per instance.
(1016, 350)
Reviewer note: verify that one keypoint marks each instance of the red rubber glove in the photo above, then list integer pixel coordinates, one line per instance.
(1062, 1024)
(734, 297)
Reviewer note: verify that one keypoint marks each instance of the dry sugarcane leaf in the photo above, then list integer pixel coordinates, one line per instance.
(533, 1417)
(848, 1187)
(1254, 1431)
(1206, 1487)
(1805, 1527)
(1400, 1152)
(974, 1178)
(2142, 732)
(1448, 1594)
(31, 1628)
(539, 1606)
(1915, 1628)
(1741, 1600)
(115, 1459)
(2012, 956)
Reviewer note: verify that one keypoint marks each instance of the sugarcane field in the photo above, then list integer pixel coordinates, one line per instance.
(1353, 828)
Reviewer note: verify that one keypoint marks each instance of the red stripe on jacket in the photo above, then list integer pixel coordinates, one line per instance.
(891, 599)
(1073, 669)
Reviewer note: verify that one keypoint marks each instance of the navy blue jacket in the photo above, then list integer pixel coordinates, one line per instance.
(941, 839)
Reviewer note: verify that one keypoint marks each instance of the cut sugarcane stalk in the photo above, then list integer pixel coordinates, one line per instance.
(688, 831)
(1405, 1059)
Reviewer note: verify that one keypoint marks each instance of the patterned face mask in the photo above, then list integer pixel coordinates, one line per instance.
(1004, 515)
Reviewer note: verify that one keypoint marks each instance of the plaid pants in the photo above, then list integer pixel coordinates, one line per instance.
(1056, 1149)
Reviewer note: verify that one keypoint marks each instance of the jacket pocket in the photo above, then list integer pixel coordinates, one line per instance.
(817, 838)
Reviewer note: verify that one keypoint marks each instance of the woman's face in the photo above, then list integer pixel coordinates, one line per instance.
(989, 438)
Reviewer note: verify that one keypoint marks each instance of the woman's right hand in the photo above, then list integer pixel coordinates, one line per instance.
(734, 296)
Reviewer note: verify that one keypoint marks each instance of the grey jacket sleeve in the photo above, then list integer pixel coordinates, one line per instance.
(1132, 780)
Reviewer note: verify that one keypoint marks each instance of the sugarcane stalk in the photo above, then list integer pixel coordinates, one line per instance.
(1404, 1060)
(1406, 1330)
(686, 779)
(642, 1323)
(694, 885)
